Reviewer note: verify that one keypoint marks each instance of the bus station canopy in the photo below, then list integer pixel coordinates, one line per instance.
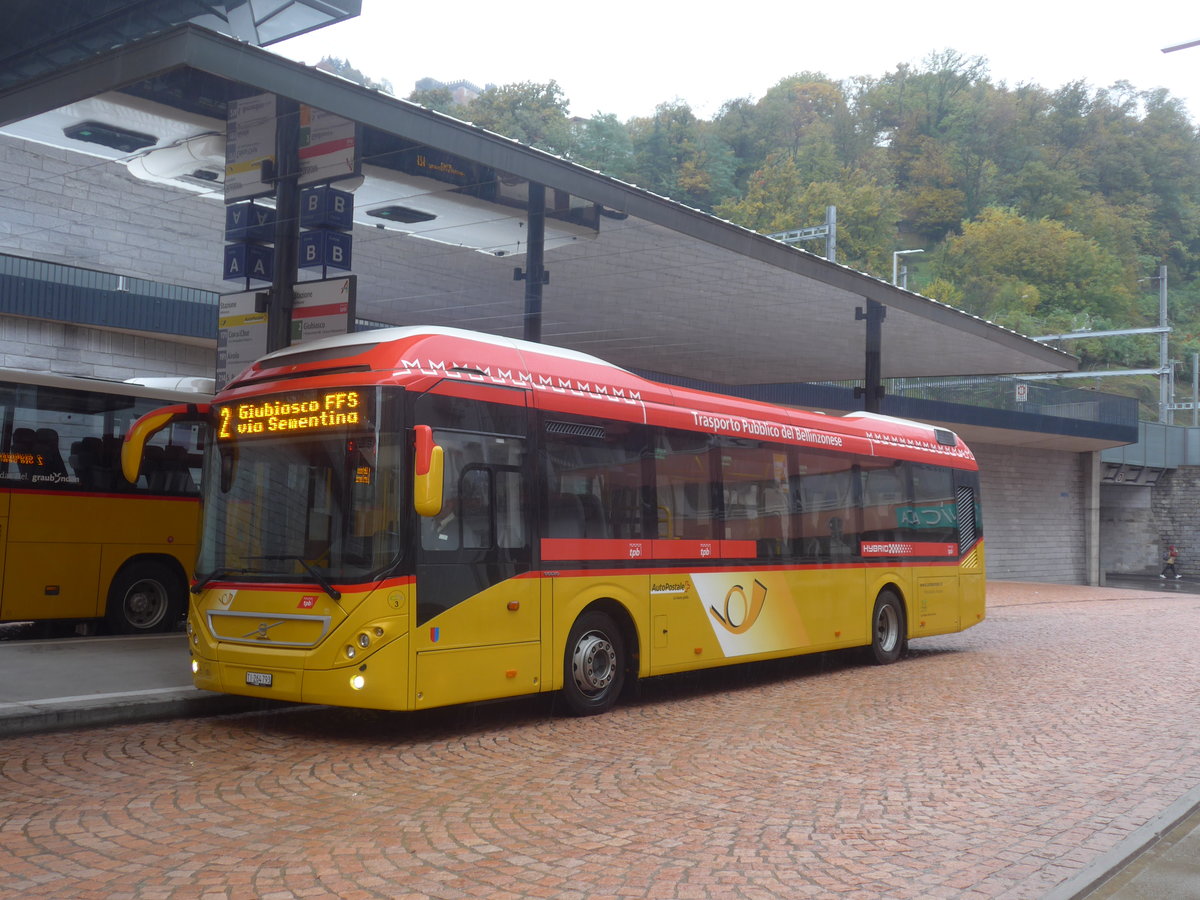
(634, 278)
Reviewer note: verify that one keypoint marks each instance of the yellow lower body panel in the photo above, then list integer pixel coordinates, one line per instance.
(477, 673)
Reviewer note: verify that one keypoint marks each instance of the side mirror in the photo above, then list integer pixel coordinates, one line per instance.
(134, 444)
(427, 473)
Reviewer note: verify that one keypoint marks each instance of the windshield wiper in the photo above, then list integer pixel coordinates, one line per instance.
(213, 576)
(317, 576)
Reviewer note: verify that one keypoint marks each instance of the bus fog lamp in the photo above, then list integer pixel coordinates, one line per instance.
(195, 666)
(358, 681)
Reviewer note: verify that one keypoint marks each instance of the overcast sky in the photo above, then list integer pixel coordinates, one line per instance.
(623, 57)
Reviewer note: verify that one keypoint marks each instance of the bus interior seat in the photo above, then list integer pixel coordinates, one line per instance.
(152, 468)
(566, 518)
(87, 460)
(46, 444)
(23, 445)
(773, 511)
(595, 523)
(176, 477)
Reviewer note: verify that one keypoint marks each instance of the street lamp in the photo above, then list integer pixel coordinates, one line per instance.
(895, 262)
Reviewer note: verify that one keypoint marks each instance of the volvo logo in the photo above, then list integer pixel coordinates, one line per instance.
(261, 631)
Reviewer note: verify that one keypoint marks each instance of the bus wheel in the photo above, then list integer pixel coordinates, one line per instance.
(145, 597)
(888, 637)
(594, 667)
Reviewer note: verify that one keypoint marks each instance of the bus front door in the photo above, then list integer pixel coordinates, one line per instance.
(478, 614)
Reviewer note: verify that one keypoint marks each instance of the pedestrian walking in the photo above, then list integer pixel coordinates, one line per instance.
(1170, 558)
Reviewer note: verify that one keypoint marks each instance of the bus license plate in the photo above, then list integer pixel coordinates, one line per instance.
(262, 679)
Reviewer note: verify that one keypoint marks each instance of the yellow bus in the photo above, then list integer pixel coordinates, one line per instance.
(79, 543)
(415, 517)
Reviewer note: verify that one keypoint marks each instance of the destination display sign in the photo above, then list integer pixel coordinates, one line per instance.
(293, 415)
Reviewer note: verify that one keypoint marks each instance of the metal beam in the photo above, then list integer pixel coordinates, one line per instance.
(1072, 335)
(1096, 374)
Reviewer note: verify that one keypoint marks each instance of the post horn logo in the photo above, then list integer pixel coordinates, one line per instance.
(740, 613)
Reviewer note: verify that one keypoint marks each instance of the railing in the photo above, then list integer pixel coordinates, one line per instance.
(1014, 394)
(991, 401)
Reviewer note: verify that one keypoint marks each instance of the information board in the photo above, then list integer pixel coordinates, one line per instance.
(328, 146)
(323, 308)
(250, 141)
(241, 334)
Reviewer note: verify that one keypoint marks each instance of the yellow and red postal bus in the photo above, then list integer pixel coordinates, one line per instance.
(410, 518)
(77, 541)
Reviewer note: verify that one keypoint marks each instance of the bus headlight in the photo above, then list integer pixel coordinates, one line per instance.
(350, 651)
(364, 640)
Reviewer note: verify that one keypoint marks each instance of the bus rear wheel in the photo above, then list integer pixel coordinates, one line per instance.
(145, 597)
(594, 665)
(888, 631)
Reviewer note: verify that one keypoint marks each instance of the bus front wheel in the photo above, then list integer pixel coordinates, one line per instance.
(888, 632)
(145, 597)
(594, 665)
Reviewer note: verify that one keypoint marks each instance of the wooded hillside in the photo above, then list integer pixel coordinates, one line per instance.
(1042, 209)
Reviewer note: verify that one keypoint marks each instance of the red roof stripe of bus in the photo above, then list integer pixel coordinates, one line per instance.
(593, 572)
(570, 382)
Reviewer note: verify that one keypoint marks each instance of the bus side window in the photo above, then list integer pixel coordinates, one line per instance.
(687, 496)
(475, 498)
(595, 481)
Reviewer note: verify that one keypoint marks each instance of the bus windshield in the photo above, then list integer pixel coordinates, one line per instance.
(296, 492)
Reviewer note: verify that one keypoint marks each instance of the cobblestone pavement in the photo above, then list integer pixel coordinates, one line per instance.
(997, 763)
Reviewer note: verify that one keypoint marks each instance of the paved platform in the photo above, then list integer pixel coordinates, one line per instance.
(80, 682)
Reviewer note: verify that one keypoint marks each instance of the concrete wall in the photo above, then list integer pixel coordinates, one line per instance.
(65, 207)
(1176, 516)
(1035, 512)
(42, 346)
(68, 208)
(1129, 530)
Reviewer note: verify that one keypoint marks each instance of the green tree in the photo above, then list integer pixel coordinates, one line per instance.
(534, 114)
(1010, 269)
(779, 199)
(440, 98)
(678, 156)
(603, 143)
(867, 213)
(769, 203)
